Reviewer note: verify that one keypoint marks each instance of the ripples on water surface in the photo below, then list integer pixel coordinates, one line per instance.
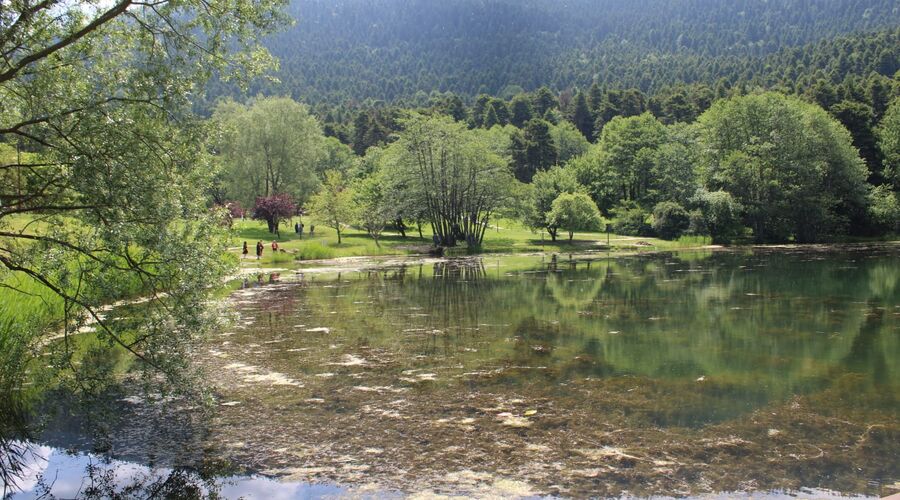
(668, 374)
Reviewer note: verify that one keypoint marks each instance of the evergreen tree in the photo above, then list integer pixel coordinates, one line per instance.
(501, 110)
(542, 153)
(480, 109)
(544, 101)
(454, 108)
(520, 110)
(490, 117)
(581, 116)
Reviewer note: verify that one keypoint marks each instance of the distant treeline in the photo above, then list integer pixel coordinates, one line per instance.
(350, 51)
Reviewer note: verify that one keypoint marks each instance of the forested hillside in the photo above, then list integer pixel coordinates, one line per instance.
(389, 50)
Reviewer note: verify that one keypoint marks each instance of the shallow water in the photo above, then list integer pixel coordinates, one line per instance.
(669, 374)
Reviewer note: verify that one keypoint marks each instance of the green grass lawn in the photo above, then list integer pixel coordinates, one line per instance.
(509, 237)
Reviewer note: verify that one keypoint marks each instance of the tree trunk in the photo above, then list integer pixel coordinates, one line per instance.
(339, 234)
(571, 234)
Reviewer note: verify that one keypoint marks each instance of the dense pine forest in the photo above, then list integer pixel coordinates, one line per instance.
(354, 50)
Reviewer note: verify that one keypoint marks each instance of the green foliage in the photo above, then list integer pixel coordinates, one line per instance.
(315, 250)
(333, 205)
(521, 110)
(574, 212)
(454, 174)
(673, 171)
(790, 165)
(889, 143)
(546, 187)
(532, 150)
(271, 146)
(581, 116)
(373, 209)
(720, 216)
(885, 208)
(568, 141)
(393, 50)
(631, 220)
(100, 93)
(670, 220)
(621, 167)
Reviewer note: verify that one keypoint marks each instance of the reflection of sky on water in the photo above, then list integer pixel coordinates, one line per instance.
(36, 462)
(66, 475)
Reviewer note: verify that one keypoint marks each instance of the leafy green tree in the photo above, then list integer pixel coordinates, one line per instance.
(335, 155)
(361, 125)
(670, 220)
(100, 93)
(859, 118)
(490, 119)
(889, 143)
(453, 173)
(721, 215)
(630, 219)
(269, 147)
(453, 106)
(885, 208)
(480, 109)
(333, 205)
(500, 110)
(673, 174)
(544, 101)
(373, 210)
(574, 212)
(569, 141)
(790, 165)
(627, 152)
(547, 186)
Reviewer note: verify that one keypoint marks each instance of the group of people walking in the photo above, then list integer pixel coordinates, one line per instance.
(259, 249)
(298, 228)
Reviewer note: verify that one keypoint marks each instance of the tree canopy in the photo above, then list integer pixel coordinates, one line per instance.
(271, 146)
(454, 173)
(790, 165)
(97, 102)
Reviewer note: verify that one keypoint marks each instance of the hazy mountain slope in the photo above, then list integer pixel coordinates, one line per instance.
(389, 49)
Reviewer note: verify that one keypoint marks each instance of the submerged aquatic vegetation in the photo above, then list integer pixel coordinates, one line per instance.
(651, 374)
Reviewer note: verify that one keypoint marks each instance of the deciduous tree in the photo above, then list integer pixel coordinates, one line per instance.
(790, 165)
(333, 205)
(574, 212)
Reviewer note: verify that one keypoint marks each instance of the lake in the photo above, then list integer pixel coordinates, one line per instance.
(764, 370)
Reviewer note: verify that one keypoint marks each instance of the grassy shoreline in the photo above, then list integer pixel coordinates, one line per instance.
(508, 237)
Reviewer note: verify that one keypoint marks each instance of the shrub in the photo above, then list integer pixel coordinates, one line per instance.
(670, 220)
(631, 220)
(721, 214)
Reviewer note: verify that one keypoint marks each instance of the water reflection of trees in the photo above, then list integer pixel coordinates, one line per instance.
(96, 405)
(782, 321)
(103, 479)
